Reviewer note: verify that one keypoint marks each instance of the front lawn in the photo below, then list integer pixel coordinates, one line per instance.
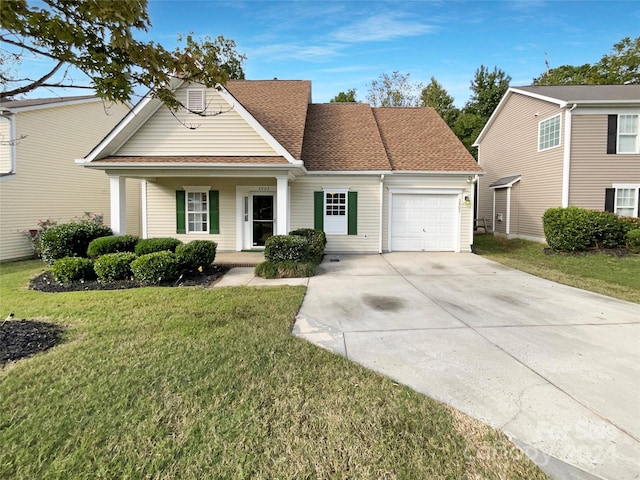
(608, 274)
(193, 383)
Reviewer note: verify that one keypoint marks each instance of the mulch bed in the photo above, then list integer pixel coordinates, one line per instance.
(23, 338)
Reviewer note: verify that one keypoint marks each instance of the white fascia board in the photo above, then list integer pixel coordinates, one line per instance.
(61, 103)
(394, 172)
(437, 172)
(250, 119)
(187, 166)
(544, 98)
(507, 185)
(349, 172)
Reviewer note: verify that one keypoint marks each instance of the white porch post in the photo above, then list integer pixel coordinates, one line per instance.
(282, 201)
(118, 205)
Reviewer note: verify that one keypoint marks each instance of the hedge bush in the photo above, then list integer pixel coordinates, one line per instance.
(114, 266)
(197, 253)
(70, 239)
(317, 241)
(151, 245)
(112, 244)
(633, 240)
(285, 269)
(286, 248)
(72, 269)
(608, 229)
(156, 267)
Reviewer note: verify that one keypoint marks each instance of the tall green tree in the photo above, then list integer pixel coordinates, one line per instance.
(394, 90)
(97, 38)
(621, 66)
(345, 97)
(434, 95)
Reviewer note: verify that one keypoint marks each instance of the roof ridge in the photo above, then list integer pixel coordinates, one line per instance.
(382, 138)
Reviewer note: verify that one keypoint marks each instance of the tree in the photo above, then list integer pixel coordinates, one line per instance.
(96, 37)
(488, 89)
(434, 95)
(345, 97)
(620, 67)
(394, 90)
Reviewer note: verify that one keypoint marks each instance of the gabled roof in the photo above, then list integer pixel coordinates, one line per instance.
(570, 95)
(418, 139)
(505, 182)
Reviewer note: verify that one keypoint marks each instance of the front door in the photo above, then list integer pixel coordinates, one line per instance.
(262, 218)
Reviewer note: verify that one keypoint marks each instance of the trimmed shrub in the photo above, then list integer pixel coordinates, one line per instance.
(70, 239)
(285, 269)
(316, 239)
(286, 248)
(151, 245)
(114, 266)
(630, 223)
(156, 267)
(72, 269)
(567, 229)
(633, 240)
(196, 253)
(112, 244)
(608, 229)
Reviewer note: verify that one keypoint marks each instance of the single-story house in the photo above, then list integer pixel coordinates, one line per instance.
(256, 158)
(39, 140)
(559, 146)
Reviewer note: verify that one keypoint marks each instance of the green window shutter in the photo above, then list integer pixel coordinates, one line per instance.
(352, 213)
(318, 210)
(214, 211)
(181, 225)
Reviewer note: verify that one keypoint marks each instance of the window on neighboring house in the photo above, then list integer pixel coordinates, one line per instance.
(197, 212)
(628, 134)
(195, 99)
(623, 200)
(336, 211)
(549, 133)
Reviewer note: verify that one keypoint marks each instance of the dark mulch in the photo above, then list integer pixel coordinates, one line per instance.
(614, 252)
(46, 283)
(23, 338)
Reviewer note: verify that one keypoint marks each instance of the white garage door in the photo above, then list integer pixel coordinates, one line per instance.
(425, 222)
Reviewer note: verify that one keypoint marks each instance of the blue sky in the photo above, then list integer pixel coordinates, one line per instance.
(346, 44)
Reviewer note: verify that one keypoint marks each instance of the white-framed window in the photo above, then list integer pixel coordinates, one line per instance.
(335, 211)
(628, 133)
(195, 99)
(197, 210)
(549, 133)
(626, 200)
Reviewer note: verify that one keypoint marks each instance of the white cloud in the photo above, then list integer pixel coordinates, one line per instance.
(381, 27)
(285, 51)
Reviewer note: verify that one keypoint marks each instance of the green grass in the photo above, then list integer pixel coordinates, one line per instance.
(192, 383)
(617, 277)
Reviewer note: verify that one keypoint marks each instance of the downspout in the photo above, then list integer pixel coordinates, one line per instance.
(566, 164)
(380, 218)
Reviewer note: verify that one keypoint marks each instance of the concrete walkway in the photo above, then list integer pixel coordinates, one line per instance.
(555, 368)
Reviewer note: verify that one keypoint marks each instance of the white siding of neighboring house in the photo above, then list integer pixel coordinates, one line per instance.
(226, 134)
(5, 145)
(510, 147)
(47, 183)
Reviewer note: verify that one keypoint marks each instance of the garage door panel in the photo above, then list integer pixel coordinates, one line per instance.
(424, 222)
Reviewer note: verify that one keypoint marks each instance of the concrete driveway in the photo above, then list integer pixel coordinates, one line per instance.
(555, 368)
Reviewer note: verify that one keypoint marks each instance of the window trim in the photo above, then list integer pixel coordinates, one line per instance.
(627, 186)
(207, 223)
(636, 134)
(344, 217)
(559, 116)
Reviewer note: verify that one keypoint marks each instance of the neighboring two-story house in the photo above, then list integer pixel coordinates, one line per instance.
(559, 146)
(39, 140)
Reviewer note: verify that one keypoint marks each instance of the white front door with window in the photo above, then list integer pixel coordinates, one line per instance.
(258, 218)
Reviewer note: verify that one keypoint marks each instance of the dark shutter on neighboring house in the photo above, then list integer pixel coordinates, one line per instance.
(318, 210)
(214, 211)
(609, 199)
(612, 133)
(181, 225)
(352, 214)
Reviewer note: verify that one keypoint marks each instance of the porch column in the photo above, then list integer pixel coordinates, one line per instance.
(118, 205)
(282, 201)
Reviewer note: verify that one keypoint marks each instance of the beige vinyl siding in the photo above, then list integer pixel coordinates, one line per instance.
(426, 183)
(592, 170)
(5, 145)
(367, 239)
(48, 184)
(500, 226)
(169, 134)
(510, 147)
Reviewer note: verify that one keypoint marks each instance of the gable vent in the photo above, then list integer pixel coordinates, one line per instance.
(195, 100)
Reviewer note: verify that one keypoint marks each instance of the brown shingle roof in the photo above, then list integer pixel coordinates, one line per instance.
(280, 106)
(250, 160)
(343, 136)
(418, 139)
